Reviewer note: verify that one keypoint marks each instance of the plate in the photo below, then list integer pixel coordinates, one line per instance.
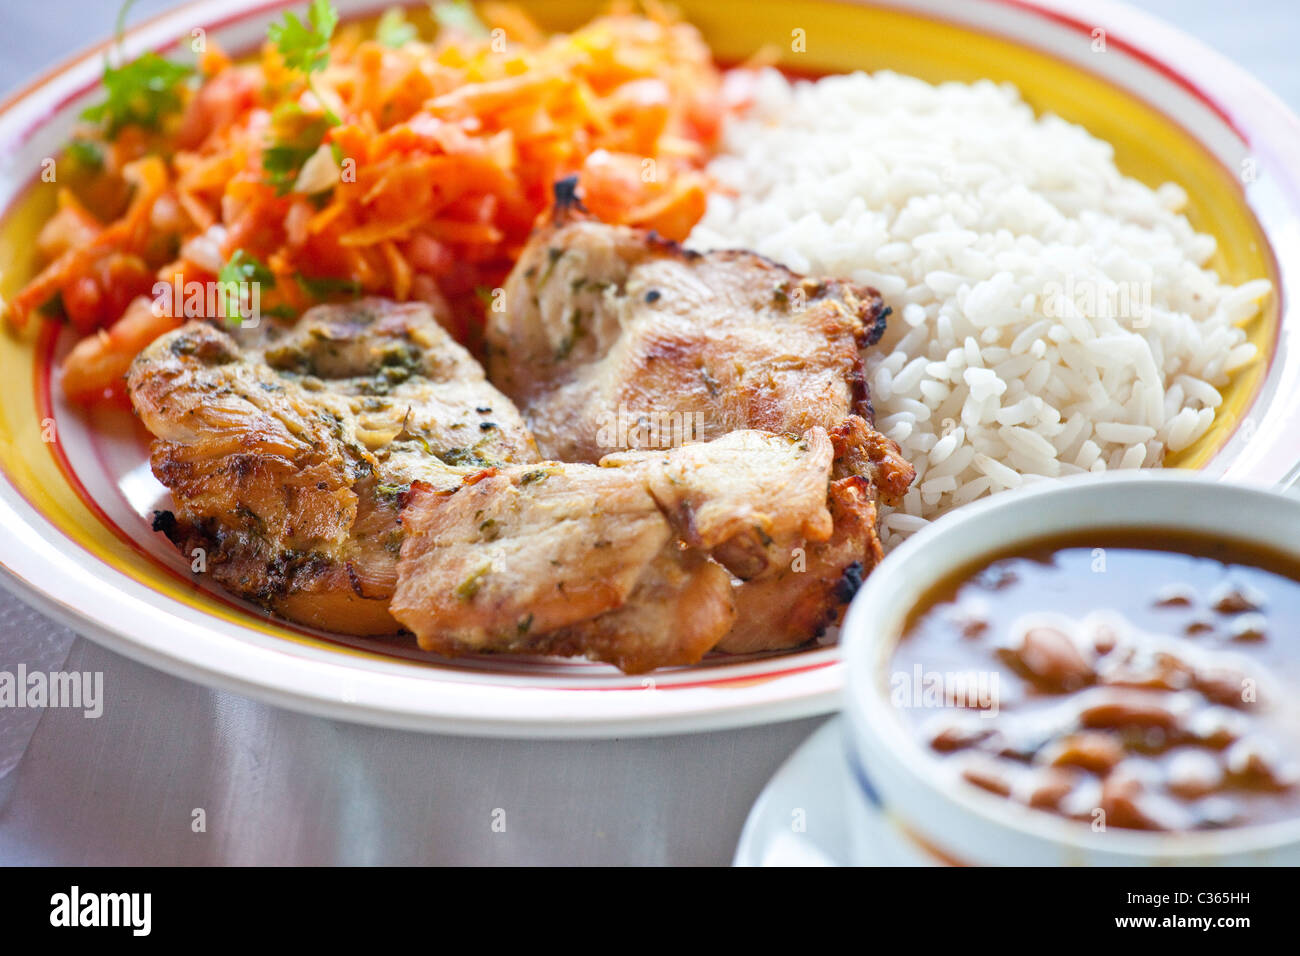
(76, 493)
(798, 819)
(802, 816)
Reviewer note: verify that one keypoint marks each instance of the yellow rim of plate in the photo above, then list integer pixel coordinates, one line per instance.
(840, 37)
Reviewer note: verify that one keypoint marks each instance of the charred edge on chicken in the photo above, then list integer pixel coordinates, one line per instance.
(566, 198)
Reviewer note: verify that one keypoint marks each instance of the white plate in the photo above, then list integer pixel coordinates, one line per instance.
(801, 817)
(77, 543)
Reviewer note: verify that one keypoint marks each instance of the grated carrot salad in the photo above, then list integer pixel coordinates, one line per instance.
(389, 165)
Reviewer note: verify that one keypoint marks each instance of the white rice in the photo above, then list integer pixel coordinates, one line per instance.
(1050, 316)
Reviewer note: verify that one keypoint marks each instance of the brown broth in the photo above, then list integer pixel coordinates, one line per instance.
(1133, 678)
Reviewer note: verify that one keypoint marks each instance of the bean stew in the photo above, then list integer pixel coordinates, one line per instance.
(1130, 679)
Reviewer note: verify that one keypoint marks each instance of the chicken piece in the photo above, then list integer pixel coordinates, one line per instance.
(605, 561)
(720, 495)
(523, 551)
(798, 600)
(402, 375)
(861, 450)
(680, 606)
(288, 465)
(795, 601)
(612, 338)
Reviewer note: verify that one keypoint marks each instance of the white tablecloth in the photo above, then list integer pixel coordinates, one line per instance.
(279, 787)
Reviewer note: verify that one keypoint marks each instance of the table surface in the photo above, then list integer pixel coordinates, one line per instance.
(281, 787)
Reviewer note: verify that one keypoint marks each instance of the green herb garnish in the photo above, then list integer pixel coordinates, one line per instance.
(391, 492)
(85, 153)
(458, 16)
(242, 268)
(393, 30)
(305, 46)
(466, 590)
(325, 287)
(140, 93)
(463, 456)
(297, 136)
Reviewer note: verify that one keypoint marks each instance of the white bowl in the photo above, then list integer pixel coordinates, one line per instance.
(941, 820)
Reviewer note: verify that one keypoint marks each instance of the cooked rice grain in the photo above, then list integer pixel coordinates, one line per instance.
(1051, 316)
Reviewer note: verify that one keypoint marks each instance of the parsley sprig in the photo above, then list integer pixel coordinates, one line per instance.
(296, 135)
(458, 16)
(394, 30)
(139, 93)
(304, 46)
(325, 287)
(246, 267)
(243, 267)
(86, 154)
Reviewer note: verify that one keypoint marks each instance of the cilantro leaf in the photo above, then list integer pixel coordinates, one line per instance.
(86, 154)
(458, 16)
(245, 267)
(325, 287)
(296, 135)
(393, 30)
(305, 46)
(140, 93)
(242, 268)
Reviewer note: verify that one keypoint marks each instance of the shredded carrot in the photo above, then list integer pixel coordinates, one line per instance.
(436, 159)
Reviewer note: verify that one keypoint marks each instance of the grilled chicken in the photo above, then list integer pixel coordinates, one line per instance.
(748, 497)
(682, 604)
(609, 561)
(359, 473)
(802, 597)
(288, 463)
(612, 338)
